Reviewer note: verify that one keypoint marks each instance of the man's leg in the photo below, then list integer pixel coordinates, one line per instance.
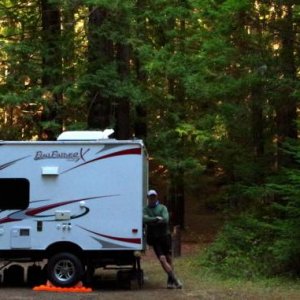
(169, 260)
(170, 281)
(166, 262)
(163, 253)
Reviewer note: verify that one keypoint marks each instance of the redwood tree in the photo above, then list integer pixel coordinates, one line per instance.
(52, 69)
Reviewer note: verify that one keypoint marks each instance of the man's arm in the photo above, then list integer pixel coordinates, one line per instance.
(165, 214)
(148, 219)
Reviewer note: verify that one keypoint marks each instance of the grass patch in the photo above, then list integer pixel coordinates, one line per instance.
(202, 283)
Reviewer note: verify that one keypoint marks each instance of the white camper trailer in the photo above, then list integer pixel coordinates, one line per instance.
(76, 202)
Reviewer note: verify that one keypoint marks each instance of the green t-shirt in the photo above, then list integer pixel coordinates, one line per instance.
(154, 228)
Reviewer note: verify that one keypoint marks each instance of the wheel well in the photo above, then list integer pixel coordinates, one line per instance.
(64, 247)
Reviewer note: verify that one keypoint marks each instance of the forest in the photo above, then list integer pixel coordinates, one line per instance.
(211, 86)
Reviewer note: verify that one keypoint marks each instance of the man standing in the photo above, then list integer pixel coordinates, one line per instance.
(156, 219)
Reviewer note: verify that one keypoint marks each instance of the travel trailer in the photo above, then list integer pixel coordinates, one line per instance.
(76, 202)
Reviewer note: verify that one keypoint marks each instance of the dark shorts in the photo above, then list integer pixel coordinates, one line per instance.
(163, 246)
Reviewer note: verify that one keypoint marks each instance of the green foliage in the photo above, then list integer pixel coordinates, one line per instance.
(287, 210)
(243, 249)
(266, 241)
(243, 81)
(114, 5)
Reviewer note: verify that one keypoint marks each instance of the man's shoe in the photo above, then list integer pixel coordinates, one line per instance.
(170, 283)
(177, 284)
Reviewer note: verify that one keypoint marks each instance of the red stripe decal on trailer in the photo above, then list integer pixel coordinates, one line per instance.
(37, 210)
(8, 219)
(135, 151)
(120, 239)
(32, 212)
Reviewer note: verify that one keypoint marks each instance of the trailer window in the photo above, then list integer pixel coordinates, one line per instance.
(14, 193)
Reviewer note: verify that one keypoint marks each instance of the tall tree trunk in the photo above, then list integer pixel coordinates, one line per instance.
(177, 197)
(140, 120)
(176, 89)
(123, 105)
(257, 97)
(69, 43)
(257, 120)
(52, 67)
(286, 113)
(257, 105)
(100, 53)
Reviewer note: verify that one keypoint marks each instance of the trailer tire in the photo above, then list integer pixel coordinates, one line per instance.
(64, 269)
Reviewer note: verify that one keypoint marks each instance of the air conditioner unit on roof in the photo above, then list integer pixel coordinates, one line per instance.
(85, 135)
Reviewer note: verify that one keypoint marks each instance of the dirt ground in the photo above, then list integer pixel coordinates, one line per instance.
(154, 286)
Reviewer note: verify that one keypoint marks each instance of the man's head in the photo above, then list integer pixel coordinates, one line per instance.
(152, 193)
(152, 197)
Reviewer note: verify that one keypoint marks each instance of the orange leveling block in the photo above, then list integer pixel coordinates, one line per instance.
(49, 287)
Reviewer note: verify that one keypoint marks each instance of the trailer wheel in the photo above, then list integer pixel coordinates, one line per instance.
(64, 269)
